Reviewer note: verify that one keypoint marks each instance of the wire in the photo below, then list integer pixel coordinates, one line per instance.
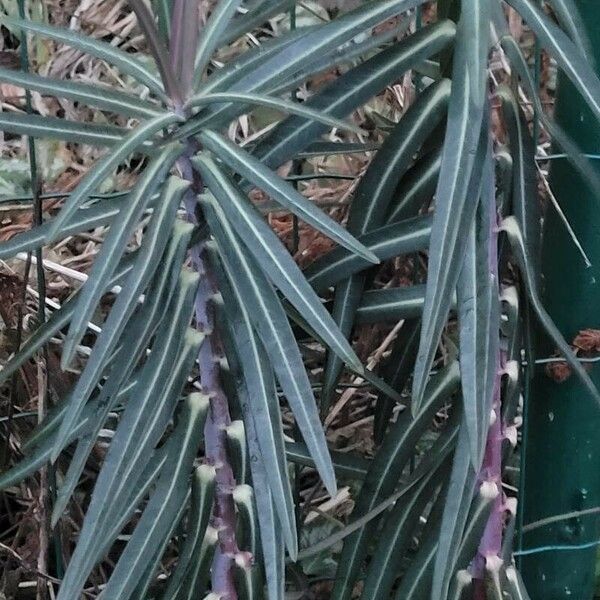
(565, 516)
(557, 548)
(559, 156)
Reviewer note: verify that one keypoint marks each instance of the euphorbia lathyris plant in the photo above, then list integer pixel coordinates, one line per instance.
(211, 292)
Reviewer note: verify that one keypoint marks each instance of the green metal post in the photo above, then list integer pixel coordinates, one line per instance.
(562, 462)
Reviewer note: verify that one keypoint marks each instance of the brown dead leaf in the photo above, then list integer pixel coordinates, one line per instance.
(558, 371)
(588, 340)
(586, 343)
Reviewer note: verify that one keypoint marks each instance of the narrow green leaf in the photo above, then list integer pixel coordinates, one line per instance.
(114, 244)
(569, 18)
(389, 462)
(273, 258)
(307, 51)
(252, 169)
(52, 326)
(254, 99)
(136, 337)
(567, 55)
(152, 564)
(147, 259)
(504, 180)
(91, 95)
(351, 90)
(392, 304)
(563, 141)
(61, 129)
(319, 148)
(386, 242)
(123, 60)
(416, 188)
(373, 78)
(416, 580)
(158, 519)
(399, 526)
(456, 508)
(345, 465)
(372, 198)
(348, 54)
(45, 429)
(262, 408)
(222, 79)
(117, 506)
(438, 292)
(465, 149)
(258, 13)
(39, 456)
(151, 427)
(162, 9)
(248, 579)
(512, 330)
(49, 425)
(368, 375)
(84, 219)
(196, 581)
(444, 444)
(511, 227)
(146, 482)
(243, 497)
(218, 22)
(525, 203)
(322, 40)
(479, 319)
(272, 544)
(397, 371)
(152, 311)
(140, 428)
(201, 503)
(107, 164)
(416, 583)
(270, 321)
(102, 269)
(236, 449)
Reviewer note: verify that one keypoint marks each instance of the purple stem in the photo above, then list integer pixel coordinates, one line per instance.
(209, 356)
(185, 24)
(490, 474)
(158, 50)
(175, 48)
